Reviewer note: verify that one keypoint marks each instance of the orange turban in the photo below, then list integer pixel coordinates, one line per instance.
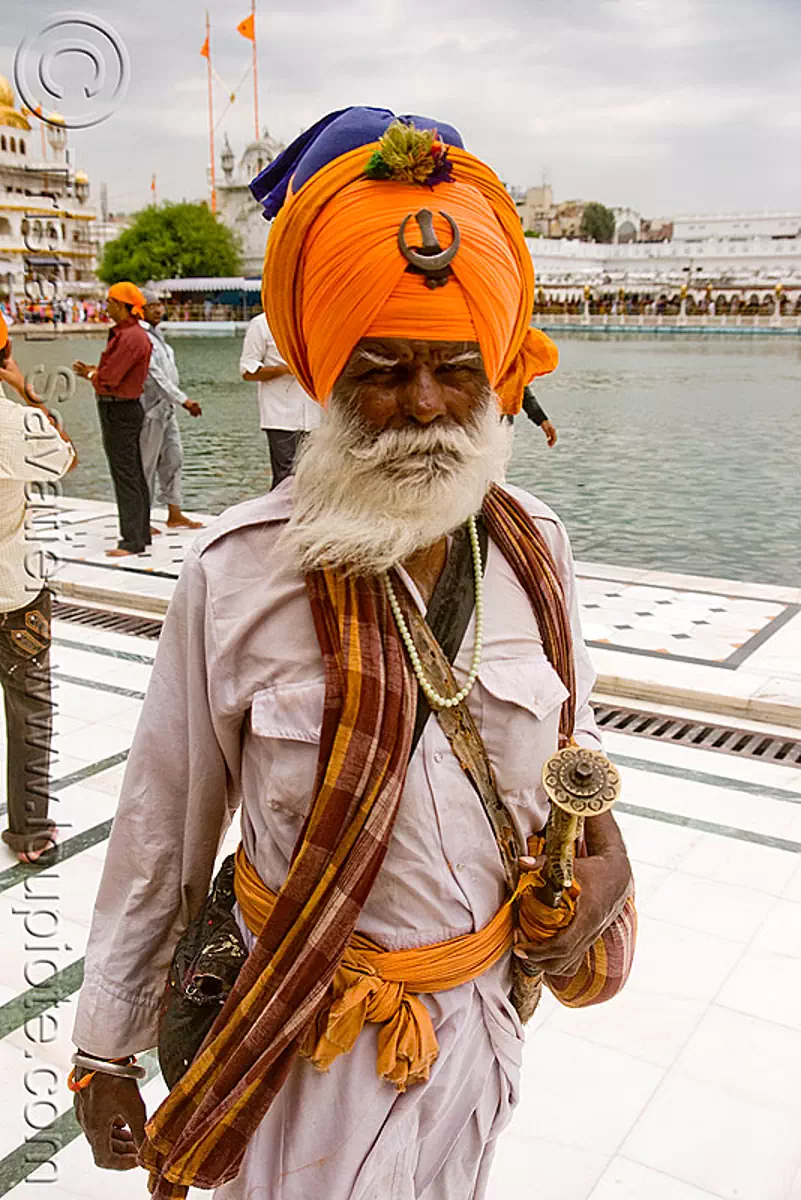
(128, 293)
(3, 331)
(334, 273)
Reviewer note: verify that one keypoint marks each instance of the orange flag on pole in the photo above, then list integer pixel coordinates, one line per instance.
(204, 49)
(247, 28)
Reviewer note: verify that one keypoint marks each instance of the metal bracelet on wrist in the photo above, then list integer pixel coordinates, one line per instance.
(118, 1070)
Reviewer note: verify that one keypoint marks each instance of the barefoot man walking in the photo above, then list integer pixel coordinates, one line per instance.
(160, 439)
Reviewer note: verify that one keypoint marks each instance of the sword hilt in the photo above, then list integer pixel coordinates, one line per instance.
(580, 784)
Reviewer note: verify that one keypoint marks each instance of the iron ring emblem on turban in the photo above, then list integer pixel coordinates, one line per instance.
(429, 259)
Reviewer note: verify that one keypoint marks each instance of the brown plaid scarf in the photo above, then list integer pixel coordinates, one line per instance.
(199, 1134)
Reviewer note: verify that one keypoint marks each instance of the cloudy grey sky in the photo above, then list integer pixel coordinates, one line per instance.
(663, 105)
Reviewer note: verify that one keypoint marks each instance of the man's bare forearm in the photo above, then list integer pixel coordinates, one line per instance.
(603, 836)
(266, 374)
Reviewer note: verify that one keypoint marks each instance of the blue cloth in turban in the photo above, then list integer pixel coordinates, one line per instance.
(332, 136)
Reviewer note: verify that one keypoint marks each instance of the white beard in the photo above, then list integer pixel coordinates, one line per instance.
(365, 500)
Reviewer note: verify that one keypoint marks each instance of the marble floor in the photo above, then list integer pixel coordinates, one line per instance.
(686, 1087)
(718, 644)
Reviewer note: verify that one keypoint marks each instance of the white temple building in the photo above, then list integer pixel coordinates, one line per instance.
(737, 227)
(717, 251)
(235, 204)
(47, 248)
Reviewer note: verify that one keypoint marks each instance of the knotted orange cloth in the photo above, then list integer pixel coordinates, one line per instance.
(606, 965)
(381, 986)
(3, 331)
(334, 273)
(128, 293)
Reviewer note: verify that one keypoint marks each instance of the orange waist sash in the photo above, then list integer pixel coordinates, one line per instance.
(381, 986)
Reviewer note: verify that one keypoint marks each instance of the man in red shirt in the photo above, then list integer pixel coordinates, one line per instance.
(118, 380)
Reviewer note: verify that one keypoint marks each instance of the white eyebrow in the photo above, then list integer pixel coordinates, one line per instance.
(377, 359)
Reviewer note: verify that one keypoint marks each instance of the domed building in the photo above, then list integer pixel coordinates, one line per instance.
(47, 250)
(235, 204)
(9, 117)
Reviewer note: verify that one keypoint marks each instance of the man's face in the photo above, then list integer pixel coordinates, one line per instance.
(154, 312)
(117, 310)
(396, 383)
(410, 444)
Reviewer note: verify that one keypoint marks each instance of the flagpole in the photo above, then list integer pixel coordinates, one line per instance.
(255, 73)
(211, 116)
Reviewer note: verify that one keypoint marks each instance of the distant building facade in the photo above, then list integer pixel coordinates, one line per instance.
(656, 229)
(109, 229)
(535, 208)
(47, 247)
(744, 250)
(539, 215)
(235, 204)
(628, 225)
(759, 264)
(737, 227)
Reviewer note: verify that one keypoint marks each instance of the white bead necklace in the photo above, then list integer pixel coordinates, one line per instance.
(431, 694)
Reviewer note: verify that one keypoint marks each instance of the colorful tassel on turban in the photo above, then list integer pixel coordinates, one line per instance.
(334, 272)
(128, 293)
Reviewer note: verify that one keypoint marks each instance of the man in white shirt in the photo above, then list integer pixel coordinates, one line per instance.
(33, 455)
(286, 413)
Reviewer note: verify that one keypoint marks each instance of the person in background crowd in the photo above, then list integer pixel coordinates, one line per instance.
(34, 453)
(118, 380)
(286, 413)
(160, 439)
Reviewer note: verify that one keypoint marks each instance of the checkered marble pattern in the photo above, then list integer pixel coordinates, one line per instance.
(682, 624)
(697, 641)
(80, 532)
(87, 538)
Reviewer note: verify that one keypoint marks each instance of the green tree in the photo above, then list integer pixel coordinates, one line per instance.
(171, 241)
(598, 223)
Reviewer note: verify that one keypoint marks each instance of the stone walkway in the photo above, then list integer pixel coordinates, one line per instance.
(683, 1088)
(708, 644)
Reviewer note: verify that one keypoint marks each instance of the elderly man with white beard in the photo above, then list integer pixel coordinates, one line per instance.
(367, 1042)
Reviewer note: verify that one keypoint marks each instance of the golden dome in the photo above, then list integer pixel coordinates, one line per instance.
(8, 114)
(81, 177)
(55, 118)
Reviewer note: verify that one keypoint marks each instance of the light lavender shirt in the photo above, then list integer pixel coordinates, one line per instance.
(232, 719)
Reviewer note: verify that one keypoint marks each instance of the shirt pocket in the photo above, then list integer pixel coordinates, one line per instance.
(285, 722)
(521, 703)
